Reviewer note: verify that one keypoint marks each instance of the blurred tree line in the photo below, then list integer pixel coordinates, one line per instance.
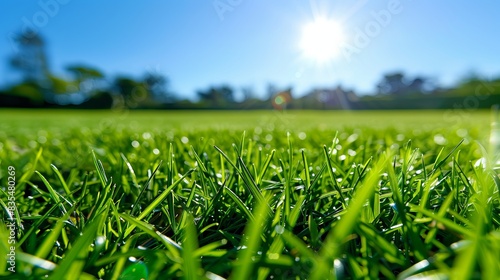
(87, 87)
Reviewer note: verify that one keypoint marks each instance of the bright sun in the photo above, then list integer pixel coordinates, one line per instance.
(322, 40)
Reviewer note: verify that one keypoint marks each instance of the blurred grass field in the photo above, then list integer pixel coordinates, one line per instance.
(251, 195)
(30, 120)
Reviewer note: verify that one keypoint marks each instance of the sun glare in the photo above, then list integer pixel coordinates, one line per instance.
(322, 40)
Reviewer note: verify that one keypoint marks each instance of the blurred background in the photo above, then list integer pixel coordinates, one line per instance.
(241, 54)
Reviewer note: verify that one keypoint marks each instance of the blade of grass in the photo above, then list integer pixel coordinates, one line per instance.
(158, 200)
(61, 180)
(264, 168)
(53, 194)
(26, 176)
(144, 188)
(438, 163)
(334, 240)
(251, 243)
(130, 169)
(240, 204)
(307, 176)
(150, 230)
(332, 177)
(441, 213)
(296, 243)
(192, 263)
(245, 175)
(390, 252)
(71, 266)
(41, 264)
(446, 222)
(47, 245)
(100, 170)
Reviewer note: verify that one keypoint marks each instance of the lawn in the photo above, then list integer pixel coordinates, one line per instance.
(248, 195)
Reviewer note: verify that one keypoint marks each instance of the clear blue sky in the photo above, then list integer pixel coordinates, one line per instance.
(257, 42)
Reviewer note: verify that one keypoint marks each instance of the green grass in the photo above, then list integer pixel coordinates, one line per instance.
(250, 195)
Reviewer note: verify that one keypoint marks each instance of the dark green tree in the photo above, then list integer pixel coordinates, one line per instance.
(221, 97)
(88, 80)
(31, 57)
(30, 60)
(157, 85)
(392, 84)
(398, 84)
(132, 93)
